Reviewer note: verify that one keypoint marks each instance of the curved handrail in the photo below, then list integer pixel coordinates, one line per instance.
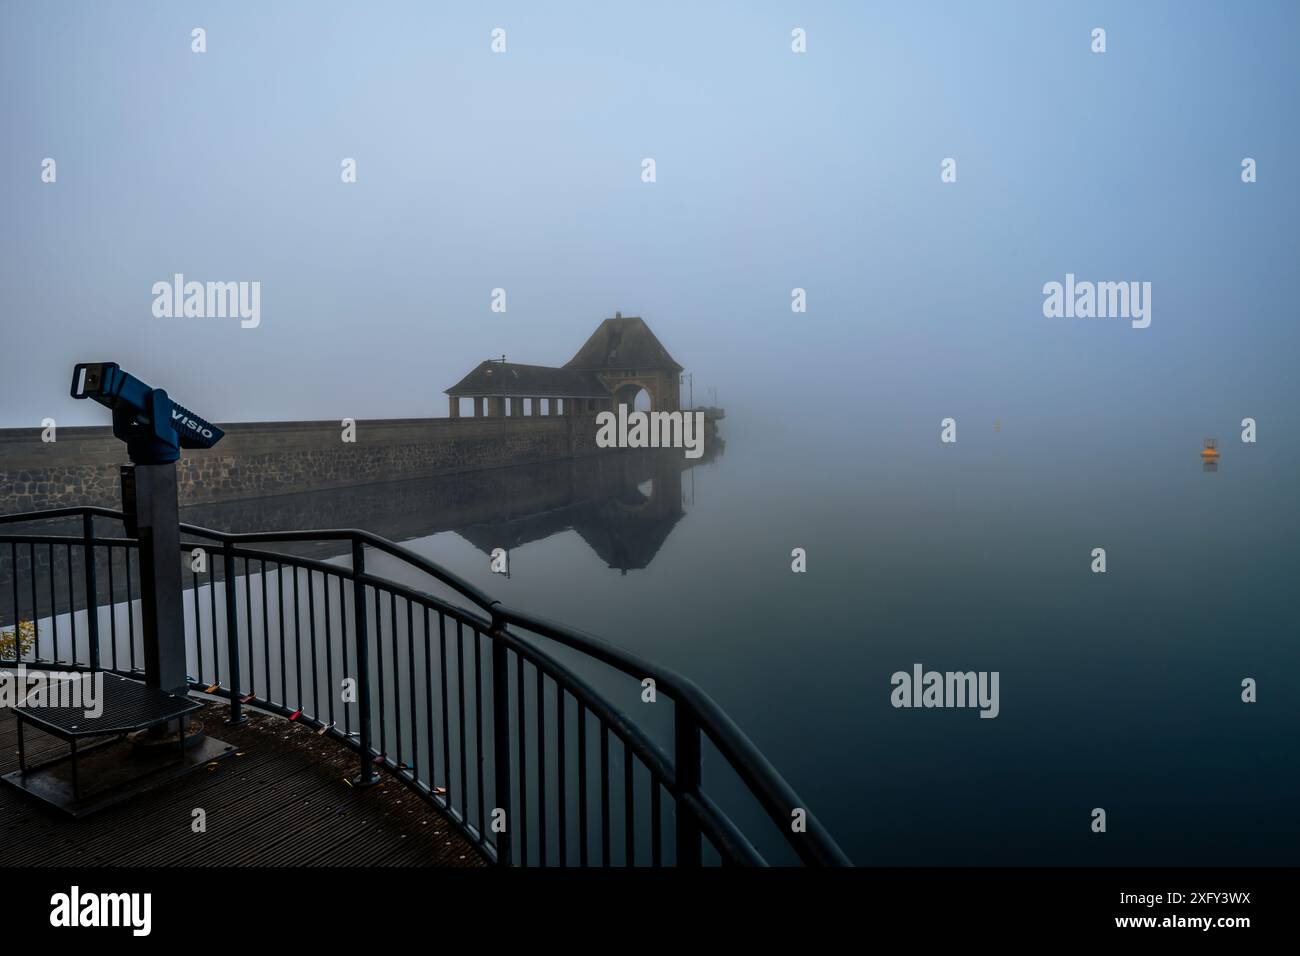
(451, 579)
(73, 511)
(762, 779)
(776, 795)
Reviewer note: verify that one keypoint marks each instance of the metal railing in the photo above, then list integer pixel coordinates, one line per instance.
(513, 726)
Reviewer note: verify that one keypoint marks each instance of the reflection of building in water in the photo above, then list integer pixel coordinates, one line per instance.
(626, 528)
(624, 505)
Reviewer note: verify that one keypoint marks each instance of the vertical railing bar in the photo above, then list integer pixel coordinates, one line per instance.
(522, 815)
(198, 623)
(397, 682)
(212, 604)
(72, 608)
(266, 635)
(343, 652)
(446, 724)
(379, 667)
(686, 765)
(112, 609)
(604, 794)
(284, 670)
(311, 635)
(501, 743)
(656, 835)
(561, 776)
(53, 605)
(329, 644)
(297, 637)
(582, 784)
(428, 703)
(460, 706)
(232, 632)
(342, 656)
(92, 589)
(248, 614)
(478, 724)
(18, 613)
(541, 767)
(35, 605)
(367, 775)
(629, 812)
(35, 613)
(410, 673)
(130, 605)
(54, 608)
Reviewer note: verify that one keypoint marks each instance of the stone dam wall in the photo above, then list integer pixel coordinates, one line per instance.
(259, 459)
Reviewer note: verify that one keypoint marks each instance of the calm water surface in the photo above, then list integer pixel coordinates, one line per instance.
(1118, 690)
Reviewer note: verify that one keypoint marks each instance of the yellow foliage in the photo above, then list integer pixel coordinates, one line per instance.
(26, 639)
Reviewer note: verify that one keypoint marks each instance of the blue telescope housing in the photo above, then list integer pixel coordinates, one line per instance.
(154, 427)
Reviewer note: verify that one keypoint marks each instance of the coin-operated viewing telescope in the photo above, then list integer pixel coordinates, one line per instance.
(155, 430)
(154, 427)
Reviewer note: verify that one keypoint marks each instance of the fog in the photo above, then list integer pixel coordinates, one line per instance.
(774, 171)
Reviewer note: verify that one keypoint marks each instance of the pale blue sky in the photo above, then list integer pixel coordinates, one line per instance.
(775, 170)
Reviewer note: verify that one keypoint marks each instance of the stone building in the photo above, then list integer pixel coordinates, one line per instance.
(622, 357)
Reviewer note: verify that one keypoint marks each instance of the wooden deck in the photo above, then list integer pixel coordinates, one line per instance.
(281, 800)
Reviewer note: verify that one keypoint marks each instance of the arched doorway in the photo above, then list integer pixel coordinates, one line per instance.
(634, 396)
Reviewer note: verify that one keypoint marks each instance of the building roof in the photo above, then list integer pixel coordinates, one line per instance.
(494, 377)
(622, 343)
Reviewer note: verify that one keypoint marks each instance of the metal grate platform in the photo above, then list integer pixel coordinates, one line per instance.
(124, 705)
